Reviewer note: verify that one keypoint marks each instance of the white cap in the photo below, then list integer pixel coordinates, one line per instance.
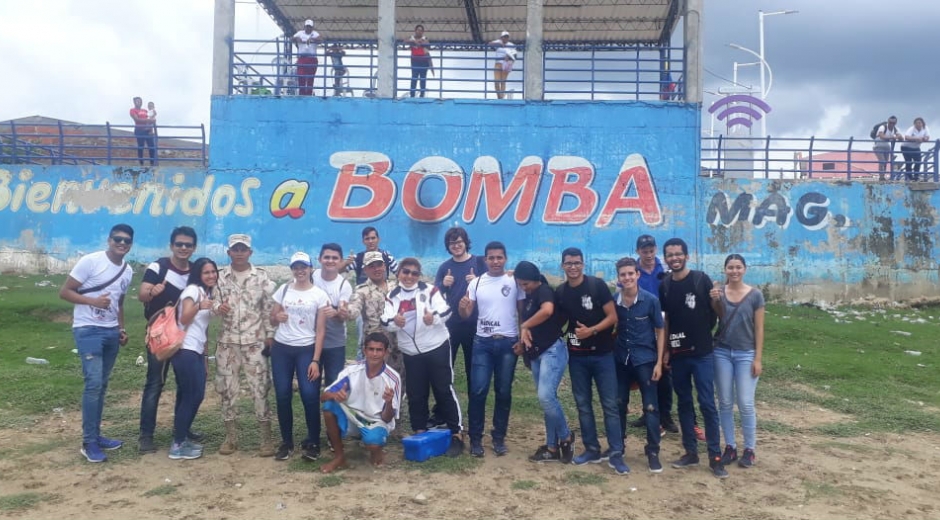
(301, 257)
(505, 33)
(239, 238)
(308, 23)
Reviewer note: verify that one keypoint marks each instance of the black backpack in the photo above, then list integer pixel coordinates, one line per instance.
(874, 130)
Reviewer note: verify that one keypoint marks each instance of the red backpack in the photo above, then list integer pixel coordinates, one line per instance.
(164, 336)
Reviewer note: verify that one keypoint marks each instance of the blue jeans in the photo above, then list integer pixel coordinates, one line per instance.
(642, 375)
(332, 361)
(286, 361)
(702, 370)
(190, 370)
(492, 359)
(547, 371)
(602, 371)
(150, 400)
(98, 347)
(733, 376)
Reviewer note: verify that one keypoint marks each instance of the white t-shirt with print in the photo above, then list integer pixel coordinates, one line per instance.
(93, 270)
(197, 332)
(301, 306)
(496, 299)
(308, 42)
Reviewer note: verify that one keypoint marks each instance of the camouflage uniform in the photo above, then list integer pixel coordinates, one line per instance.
(369, 300)
(241, 340)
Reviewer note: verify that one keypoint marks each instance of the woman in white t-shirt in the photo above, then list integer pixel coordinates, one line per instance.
(298, 344)
(911, 148)
(189, 363)
(505, 58)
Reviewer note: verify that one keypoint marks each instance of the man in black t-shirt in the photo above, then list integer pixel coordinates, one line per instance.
(588, 308)
(164, 281)
(691, 308)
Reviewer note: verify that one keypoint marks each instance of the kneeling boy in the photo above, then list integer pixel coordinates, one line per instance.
(368, 395)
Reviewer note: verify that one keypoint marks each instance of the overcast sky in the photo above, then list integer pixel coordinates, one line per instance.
(839, 65)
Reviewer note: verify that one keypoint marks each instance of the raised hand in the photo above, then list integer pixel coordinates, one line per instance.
(470, 276)
(448, 279)
(388, 394)
(400, 319)
(157, 289)
(103, 301)
(343, 312)
(715, 293)
(428, 317)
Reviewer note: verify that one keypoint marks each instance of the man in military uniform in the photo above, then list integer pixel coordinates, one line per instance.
(368, 301)
(245, 305)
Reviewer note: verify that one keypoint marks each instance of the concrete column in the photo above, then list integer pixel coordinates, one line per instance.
(692, 30)
(387, 51)
(534, 66)
(223, 35)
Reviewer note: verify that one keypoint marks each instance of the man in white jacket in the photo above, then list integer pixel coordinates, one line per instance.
(416, 312)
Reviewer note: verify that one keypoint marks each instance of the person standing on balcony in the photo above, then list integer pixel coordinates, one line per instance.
(887, 133)
(306, 42)
(911, 148)
(505, 58)
(143, 131)
(420, 60)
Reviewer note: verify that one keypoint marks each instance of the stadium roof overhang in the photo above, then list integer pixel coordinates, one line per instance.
(647, 22)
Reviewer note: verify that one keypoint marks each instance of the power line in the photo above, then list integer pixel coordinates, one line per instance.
(726, 79)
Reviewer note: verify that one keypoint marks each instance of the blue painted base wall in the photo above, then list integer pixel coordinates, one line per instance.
(295, 173)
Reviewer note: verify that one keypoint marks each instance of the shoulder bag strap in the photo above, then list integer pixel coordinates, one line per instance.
(106, 284)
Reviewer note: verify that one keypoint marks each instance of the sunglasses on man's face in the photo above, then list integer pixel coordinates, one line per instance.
(184, 245)
(409, 272)
(123, 240)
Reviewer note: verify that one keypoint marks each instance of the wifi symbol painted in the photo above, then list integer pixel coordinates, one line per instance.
(735, 114)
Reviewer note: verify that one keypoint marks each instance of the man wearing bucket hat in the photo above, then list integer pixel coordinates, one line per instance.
(245, 306)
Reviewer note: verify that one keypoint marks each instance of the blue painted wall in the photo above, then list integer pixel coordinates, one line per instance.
(296, 173)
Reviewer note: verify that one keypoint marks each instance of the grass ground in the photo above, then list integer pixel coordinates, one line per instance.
(850, 361)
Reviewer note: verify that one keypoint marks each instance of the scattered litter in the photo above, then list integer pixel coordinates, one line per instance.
(50, 348)
(912, 352)
(74, 351)
(280, 506)
(140, 361)
(633, 490)
(860, 351)
(36, 361)
(57, 410)
(826, 387)
(785, 317)
(921, 365)
(4, 288)
(798, 367)
(901, 332)
(420, 499)
(238, 485)
(166, 480)
(44, 283)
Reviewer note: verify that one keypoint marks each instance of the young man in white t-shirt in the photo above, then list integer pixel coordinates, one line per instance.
(499, 299)
(306, 41)
(368, 395)
(339, 291)
(97, 285)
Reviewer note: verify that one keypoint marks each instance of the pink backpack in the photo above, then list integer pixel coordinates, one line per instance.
(164, 336)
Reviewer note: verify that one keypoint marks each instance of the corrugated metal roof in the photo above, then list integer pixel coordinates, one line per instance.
(479, 21)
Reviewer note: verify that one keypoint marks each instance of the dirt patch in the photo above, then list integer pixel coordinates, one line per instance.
(799, 476)
(53, 316)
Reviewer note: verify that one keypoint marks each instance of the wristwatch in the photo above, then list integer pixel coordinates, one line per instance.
(594, 331)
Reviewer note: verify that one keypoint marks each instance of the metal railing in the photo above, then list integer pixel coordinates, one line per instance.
(68, 143)
(817, 158)
(460, 70)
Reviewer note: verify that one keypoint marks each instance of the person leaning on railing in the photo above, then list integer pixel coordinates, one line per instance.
(887, 133)
(911, 148)
(143, 131)
(505, 58)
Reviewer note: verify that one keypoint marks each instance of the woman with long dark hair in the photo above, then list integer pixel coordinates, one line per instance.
(738, 358)
(189, 363)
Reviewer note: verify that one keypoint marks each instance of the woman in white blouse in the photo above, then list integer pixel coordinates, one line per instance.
(911, 148)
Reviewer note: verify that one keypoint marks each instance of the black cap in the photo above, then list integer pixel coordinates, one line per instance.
(644, 241)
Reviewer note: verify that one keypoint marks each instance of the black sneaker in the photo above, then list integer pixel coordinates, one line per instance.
(476, 448)
(310, 452)
(543, 454)
(670, 426)
(566, 450)
(146, 445)
(284, 451)
(747, 459)
(640, 422)
(718, 469)
(499, 447)
(654, 464)
(730, 455)
(456, 446)
(685, 461)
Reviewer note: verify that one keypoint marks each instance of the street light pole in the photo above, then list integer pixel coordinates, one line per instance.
(763, 93)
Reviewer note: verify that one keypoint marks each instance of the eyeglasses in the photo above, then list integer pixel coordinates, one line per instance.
(409, 272)
(184, 245)
(455, 242)
(572, 264)
(123, 240)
